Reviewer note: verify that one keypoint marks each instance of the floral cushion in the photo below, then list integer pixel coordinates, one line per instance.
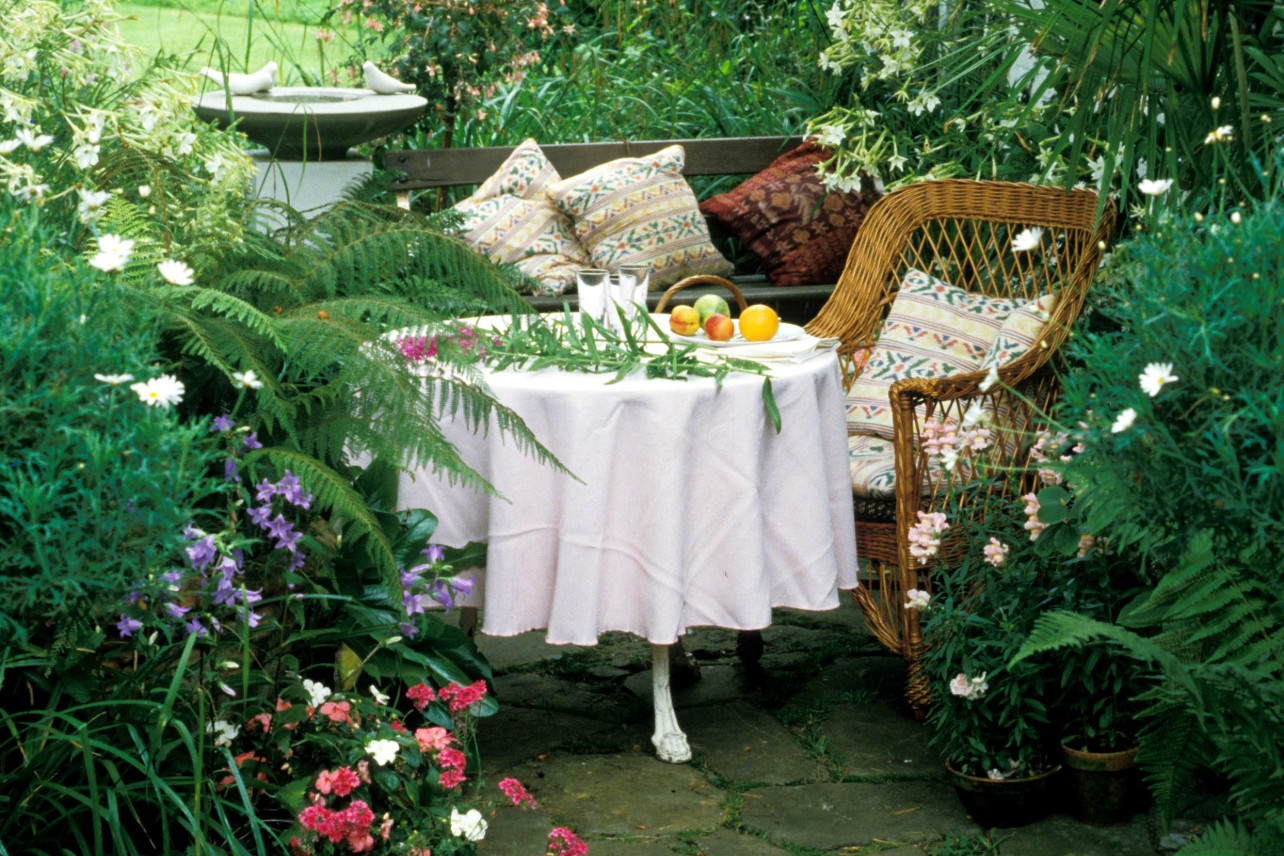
(872, 461)
(512, 220)
(641, 211)
(788, 218)
(932, 330)
(1020, 331)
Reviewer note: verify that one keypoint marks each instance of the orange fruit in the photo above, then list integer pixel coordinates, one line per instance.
(759, 322)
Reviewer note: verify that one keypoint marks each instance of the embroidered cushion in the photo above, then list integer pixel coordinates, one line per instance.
(1020, 331)
(872, 461)
(786, 216)
(641, 211)
(932, 330)
(512, 220)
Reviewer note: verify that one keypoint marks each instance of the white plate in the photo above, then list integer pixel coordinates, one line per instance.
(786, 333)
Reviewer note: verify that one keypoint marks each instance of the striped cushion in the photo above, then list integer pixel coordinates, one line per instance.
(641, 211)
(1020, 331)
(932, 330)
(873, 466)
(512, 220)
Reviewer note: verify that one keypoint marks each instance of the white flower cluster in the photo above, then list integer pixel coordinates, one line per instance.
(969, 688)
(925, 535)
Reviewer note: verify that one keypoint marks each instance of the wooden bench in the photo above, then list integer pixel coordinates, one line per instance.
(423, 169)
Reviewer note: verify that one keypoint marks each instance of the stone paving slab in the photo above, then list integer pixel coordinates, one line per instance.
(718, 684)
(517, 734)
(830, 816)
(625, 795)
(869, 678)
(1064, 836)
(744, 744)
(559, 694)
(876, 740)
(515, 832)
(724, 842)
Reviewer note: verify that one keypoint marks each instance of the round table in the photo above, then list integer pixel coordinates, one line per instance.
(687, 508)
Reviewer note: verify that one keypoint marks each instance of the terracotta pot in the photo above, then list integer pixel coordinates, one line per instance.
(1005, 802)
(1105, 787)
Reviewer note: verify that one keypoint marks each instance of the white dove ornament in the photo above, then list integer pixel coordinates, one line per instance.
(244, 84)
(383, 83)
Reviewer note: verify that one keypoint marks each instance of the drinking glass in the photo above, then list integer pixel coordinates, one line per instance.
(591, 284)
(629, 286)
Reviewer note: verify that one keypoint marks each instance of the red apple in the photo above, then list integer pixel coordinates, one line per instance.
(719, 328)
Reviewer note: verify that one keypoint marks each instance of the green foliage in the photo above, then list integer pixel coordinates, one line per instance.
(1193, 492)
(95, 487)
(1142, 84)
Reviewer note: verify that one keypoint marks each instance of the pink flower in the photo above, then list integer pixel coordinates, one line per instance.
(563, 842)
(924, 536)
(433, 739)
(969, 688)
(517, 793)
(451, 759)
(450, 779)
(1032, 523)
(337, 711)
(341, 782)
(461, 698)
(416, 349)
(262, 720)
(996, 552)
(422, 695)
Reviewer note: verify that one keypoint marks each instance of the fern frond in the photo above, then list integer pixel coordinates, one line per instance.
(1224, 838)
(1172, 747)
(221, 303)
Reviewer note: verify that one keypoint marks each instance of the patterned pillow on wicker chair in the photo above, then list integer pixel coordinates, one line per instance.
(512, 220)
(641, 211)
(932, 330)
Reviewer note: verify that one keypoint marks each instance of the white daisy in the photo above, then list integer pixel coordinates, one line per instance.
(164, 391)
(1123, 421)
(175, 272)
(1155, 187)
(113, 379)
(247, 379)
(1155, 377)
(1026, 240)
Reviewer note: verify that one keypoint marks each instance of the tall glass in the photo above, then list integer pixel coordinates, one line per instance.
(629, 286)
(591, 285)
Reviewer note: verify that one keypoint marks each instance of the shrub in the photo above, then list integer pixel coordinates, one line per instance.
(1179, 411)
(94, 486)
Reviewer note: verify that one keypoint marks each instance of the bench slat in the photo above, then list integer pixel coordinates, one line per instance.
(424, 168)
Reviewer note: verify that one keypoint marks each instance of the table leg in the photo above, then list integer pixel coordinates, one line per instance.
(670, 742)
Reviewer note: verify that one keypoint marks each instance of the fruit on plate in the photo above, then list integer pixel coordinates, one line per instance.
(719, 328)
(711, 304)
(759, 322)
(684, 320)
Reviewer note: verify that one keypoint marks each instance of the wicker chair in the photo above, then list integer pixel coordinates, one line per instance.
(961, 232)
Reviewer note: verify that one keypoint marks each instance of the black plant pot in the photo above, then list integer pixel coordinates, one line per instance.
(1006, 802)
(1105, 787)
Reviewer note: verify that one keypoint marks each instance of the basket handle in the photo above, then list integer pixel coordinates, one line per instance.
(702, 279)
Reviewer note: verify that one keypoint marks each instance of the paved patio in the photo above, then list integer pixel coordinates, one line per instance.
(816, 756)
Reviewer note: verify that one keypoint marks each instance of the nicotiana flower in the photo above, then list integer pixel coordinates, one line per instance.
(380, 698)
(224, 732)
(1123, 421)
(1220, 134)
(33, 140)
(247, 379)
(1026, 240)
(917, 599)
(385, 751)
(317, 692)
(164, 391)
(468, 826)
(990, 379)
(996, 552)
(175, 272)
(113, 253)
(1155, 376)
(969, 688)
(1154, 187)
(113, 379)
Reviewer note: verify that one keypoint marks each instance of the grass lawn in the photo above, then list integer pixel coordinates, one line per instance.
(196, 34)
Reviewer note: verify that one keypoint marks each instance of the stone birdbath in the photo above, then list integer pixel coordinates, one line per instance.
(311, 123)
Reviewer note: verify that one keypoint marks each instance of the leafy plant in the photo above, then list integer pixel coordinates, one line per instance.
(1180, 424)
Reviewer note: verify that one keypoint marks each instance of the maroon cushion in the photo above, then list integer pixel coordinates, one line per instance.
(786, 216)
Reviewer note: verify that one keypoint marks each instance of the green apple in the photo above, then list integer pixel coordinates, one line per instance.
(711, 304)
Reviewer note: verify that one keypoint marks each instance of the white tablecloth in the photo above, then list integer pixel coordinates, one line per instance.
(692, 510)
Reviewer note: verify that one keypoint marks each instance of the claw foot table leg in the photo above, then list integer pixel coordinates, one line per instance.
(670, 742)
